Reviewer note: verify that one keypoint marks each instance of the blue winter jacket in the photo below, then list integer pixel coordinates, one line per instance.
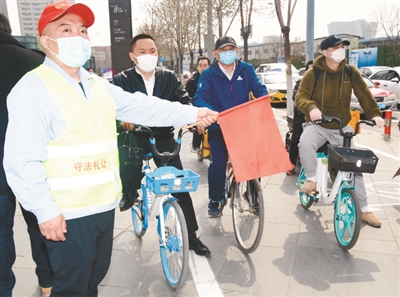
(217, 92)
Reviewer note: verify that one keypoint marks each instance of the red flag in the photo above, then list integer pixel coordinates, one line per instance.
(253, 140)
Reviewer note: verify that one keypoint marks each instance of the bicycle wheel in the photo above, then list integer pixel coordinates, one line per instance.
(347, 219)
(175, 252)
(137, 219)
(248, 214)
(306, 200)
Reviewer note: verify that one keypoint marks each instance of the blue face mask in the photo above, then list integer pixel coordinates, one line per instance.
(227, 57)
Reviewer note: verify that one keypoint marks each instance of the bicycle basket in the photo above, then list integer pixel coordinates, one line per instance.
(350, 159)
(168, 179)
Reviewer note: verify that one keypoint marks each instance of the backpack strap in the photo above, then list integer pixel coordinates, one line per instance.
(317, 74)
(348, 70)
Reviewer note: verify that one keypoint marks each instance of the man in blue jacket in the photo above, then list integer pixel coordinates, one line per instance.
(223, 85)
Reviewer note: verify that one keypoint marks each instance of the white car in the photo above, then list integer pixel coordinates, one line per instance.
(386, 99)
(276, 68)
(388, 79)
(372, 69)
(276, 85)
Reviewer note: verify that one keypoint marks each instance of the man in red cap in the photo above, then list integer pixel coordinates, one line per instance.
(61, 155)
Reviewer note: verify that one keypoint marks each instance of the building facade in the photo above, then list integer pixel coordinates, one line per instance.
(359, 27)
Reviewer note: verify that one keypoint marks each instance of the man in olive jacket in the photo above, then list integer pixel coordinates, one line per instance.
(331, 96)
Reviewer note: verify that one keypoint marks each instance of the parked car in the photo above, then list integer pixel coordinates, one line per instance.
(276, 67)
(371, 69)
(386, 99)
(108, 76)
(276, 85)
(302, 71)
(388, 79)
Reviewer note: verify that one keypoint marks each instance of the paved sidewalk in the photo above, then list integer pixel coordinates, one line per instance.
(298, 254)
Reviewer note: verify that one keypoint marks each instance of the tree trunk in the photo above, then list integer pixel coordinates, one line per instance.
(289, 79)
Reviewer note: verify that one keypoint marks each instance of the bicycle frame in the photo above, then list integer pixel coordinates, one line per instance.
(347, 213)
(159, 203)
(154, 210)
(342, 181)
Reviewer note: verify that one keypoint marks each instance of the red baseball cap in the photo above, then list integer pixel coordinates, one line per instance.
(56, 10)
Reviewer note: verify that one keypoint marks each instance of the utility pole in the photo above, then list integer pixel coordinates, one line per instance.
(179, 41)
(310, 31)
(209, 38)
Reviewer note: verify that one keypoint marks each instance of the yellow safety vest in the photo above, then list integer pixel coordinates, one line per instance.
(82, 164)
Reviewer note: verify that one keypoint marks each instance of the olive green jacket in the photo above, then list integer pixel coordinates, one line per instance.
(332, 93)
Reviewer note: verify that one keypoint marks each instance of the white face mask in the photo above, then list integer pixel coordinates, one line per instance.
(147, 63)
(73, 51)
(339, 54)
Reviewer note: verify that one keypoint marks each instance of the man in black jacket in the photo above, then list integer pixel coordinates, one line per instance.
(191, 87)
(16, 60)
(145, 77)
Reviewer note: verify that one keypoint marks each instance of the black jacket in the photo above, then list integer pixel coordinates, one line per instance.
(15, 61)
(191, 84)
(166, 86)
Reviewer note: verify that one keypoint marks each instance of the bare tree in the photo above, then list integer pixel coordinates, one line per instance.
(298, 51)
(224, 9)
(195, 28)
(153, 27)
(388, 18)
(177, 25)
(285, 29)
(246, 9)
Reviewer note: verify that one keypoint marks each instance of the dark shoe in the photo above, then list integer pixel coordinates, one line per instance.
(256, 209)
(291, 172)
(197, 246)
(213, 209)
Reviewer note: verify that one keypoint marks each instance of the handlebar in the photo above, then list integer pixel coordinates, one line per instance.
(347, 136)
(165, 157)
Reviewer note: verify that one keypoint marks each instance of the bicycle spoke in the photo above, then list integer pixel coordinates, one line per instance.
(174, 251)
(248, 214)
(347, 220)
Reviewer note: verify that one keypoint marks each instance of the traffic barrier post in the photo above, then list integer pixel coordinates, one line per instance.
(388, 125)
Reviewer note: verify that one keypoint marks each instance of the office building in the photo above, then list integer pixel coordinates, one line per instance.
(359, 28)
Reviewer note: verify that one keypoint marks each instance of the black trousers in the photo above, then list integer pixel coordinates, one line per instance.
(184, 199)
(39, 250)
(196, 139)
(298, 120)
(81, 261)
